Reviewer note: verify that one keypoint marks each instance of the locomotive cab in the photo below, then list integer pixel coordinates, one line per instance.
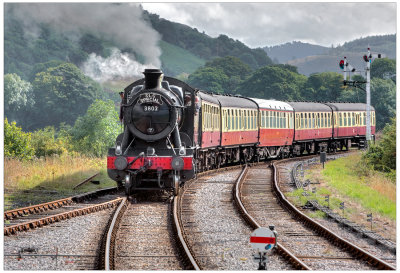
(155, 151)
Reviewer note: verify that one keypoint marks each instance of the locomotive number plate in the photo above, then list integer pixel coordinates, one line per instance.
(150, 108)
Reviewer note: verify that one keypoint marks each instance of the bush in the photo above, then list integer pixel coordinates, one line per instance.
(45, 142)
(17, 144)
(382, 155)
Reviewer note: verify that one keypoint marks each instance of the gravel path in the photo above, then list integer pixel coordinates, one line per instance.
(215, 230)
(79, 236)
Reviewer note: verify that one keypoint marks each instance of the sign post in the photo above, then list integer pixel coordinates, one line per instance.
(263, 240)
(322, 159)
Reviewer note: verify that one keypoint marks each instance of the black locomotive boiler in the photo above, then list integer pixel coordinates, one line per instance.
(155, 151)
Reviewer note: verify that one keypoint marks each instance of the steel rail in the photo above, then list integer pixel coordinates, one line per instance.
(110, 240)
(296, 262)
(11, 214)
(9, 230)
(323, 231)
(179, 230)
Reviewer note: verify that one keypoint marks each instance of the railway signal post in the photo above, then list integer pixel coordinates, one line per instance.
(343, 64)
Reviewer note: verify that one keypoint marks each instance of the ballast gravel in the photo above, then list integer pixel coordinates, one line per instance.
(79, 237)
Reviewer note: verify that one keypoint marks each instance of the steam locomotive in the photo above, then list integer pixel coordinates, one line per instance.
(173, 131)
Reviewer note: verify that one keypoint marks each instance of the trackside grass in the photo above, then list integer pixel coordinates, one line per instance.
(362, 190)
(50, 178)
(374, 192)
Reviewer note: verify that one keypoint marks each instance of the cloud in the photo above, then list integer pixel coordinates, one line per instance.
(266, 24)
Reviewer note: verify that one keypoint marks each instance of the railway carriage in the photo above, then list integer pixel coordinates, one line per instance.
(349, 123)
(276, 128)
(313, 127)
(239, 134)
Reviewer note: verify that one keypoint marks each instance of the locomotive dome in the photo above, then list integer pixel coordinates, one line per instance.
(153, 109)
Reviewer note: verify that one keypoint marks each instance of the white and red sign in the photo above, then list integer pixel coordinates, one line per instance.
(263, 239)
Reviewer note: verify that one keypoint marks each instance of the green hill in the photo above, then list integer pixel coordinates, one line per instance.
(313, 59)
(176, 60)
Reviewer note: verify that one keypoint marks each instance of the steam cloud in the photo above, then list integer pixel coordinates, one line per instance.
(117, 66)
(121, 23)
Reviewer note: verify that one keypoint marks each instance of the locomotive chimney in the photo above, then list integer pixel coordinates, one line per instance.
(153, 78)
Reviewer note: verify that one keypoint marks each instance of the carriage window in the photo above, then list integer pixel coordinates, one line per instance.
(291, 121)
(348, 119)
(245, 119)
(284, 120)
(278, 119)
(265, 119)
(271, 121)
(365, 118)
(330, 119)
(211, 117)
(306, 120)
(345, 119)
(240, 119)
(256, 121)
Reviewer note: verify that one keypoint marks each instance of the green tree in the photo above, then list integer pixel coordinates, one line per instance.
(17, 143)
(40, 67)
(209, 79)
(383, 98)
(17, 95)
(62, 94)
(231, 66)
(384, 68)
(273, 82)
(97, 130)
(326, 86)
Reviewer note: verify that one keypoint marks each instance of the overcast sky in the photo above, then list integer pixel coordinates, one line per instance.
(266, 24)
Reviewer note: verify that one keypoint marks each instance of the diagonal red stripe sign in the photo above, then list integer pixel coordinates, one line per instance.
(262, 240)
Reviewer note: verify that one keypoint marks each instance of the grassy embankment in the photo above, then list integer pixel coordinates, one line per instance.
(363, 191)
(50, 178)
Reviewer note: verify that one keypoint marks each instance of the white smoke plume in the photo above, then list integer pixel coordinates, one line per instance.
(117, 66)
(121, 23)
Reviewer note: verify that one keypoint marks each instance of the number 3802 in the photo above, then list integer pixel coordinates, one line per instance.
(150, 108)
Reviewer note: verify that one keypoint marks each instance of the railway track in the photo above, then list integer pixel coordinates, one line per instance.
(215, 233)
(143, 236)
(311, 245)
(35, 216)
